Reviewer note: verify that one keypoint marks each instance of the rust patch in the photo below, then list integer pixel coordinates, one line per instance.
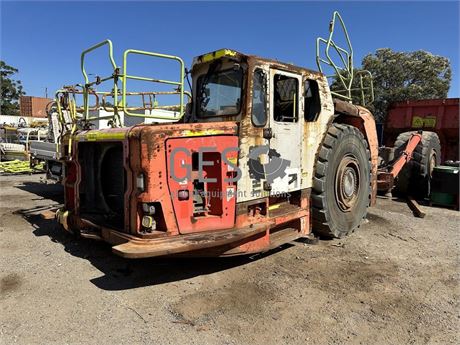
(371, 135)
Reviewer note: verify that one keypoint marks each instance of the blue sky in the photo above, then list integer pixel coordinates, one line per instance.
(44, 39)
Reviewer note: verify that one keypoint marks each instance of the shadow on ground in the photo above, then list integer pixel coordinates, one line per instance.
(53, 191)
(122, 274)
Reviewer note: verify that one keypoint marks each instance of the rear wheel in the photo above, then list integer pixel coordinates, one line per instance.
(341, 186)
(415, 177)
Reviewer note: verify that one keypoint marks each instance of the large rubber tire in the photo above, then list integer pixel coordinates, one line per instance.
(415, 178)
(341, 185)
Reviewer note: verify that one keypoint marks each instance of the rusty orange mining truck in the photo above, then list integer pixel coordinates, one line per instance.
(262, 153)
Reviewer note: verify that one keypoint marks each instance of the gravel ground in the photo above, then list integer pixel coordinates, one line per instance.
(394, 281)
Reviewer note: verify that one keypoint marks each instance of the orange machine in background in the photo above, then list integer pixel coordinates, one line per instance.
(436, 115)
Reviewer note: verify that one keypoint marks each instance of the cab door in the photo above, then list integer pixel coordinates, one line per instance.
(286, 112)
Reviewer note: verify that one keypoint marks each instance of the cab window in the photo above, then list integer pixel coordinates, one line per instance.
(220, 93)
(286, 97)
(312, 100)
(259, 98)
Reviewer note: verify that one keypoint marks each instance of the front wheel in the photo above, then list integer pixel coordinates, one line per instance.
(341, 186)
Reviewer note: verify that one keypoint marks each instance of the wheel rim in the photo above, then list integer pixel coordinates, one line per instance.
(347, 183)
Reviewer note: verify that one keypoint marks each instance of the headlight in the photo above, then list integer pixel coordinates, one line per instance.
(148, 222)
(140, 182)
(183, 194)
(148, 208)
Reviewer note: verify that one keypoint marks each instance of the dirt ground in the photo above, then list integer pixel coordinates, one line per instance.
(394, 281)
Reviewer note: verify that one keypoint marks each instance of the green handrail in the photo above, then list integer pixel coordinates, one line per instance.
(362, 76)
(180, 84)
(121, 105)
(72, 111)
(346, 56)
(94, 47)
(88, 84)
(346, 74)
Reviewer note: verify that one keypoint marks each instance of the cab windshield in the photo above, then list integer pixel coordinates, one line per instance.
(220, 92)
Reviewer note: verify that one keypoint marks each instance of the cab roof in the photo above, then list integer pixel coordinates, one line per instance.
(238, 56)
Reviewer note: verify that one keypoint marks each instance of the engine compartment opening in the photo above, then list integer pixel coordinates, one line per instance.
(103, 183)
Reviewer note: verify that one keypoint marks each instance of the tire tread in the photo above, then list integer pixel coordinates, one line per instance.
(320, 213)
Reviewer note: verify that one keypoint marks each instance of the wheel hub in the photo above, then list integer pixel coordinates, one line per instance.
(347, 183)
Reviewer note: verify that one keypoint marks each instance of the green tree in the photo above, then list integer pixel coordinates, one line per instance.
(401, 76)
(11, 90)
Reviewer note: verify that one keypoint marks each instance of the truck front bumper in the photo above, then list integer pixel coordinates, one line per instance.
(132, 247)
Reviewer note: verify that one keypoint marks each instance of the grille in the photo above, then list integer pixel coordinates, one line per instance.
(103, 183)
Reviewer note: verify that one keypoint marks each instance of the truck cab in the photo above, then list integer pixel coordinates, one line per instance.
(280, 109)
